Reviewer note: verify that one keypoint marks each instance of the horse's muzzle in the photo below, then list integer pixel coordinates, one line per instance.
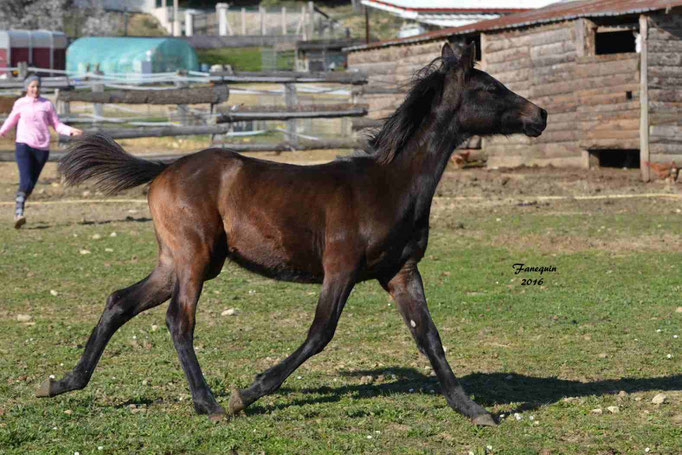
(535, 126)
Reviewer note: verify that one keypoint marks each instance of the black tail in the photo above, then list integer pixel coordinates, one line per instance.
(98, 157)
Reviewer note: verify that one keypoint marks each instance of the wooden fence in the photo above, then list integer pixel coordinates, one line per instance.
(220, 118)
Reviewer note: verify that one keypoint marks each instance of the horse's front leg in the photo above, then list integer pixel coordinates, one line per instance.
(335, 291)
(407, 290)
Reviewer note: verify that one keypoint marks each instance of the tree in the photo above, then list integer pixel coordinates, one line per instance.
(33, 14)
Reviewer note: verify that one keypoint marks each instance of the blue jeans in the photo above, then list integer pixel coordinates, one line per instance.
(30, 162)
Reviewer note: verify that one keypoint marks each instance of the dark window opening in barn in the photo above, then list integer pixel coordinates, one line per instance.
(628, 95)
(620, 158)
(618, 42)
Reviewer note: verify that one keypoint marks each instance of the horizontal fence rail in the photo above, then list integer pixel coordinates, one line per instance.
(216, 94)
(185, 88)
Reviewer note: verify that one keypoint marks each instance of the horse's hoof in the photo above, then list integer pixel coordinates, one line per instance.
(236, 404)
(484, 420)
(219, 417)
(45, 389)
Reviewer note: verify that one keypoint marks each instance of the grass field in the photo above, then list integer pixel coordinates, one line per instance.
(602, 332)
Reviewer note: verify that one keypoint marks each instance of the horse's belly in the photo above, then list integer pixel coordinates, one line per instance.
(269, 253)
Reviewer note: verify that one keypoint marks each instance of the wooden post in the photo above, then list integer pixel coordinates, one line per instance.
(366, 25)
(97, 108)
(311, 20)
(291, 100)
(284, 20)
(644, 99)
(580, 50)
(261, 10)
(23, 70)
(183, 110)
(63, 107)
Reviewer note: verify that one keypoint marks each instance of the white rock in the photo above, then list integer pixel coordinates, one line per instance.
(518, 416)
(113, 234)
(109, 250)
(53, 292)
(229, 312)
(84, 251)
(155, 327)
(613, 409)
(659, 399)
(96, 237)
(23, 317)
(597, 411)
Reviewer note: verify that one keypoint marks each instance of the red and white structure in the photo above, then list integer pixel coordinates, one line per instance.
(453, 13)
(38, 48)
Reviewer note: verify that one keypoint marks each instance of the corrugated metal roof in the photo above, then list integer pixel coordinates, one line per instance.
(457, 5)
(552, 13)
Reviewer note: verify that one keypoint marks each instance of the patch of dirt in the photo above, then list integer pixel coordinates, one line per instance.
(665, 242)
(462, 193)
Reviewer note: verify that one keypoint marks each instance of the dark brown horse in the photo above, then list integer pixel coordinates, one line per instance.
(354, 219)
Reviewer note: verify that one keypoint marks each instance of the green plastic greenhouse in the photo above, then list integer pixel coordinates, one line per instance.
(130, 55)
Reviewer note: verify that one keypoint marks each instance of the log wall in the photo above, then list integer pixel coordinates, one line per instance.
(664, 74)
(537, 63)
(389, 70)
(593, 101)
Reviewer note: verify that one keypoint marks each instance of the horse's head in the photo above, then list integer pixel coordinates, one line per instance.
(481, 104)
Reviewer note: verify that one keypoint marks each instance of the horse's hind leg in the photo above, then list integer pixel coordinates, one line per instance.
(121, 306)
(180, 320)
(335, 291)
(407, 290)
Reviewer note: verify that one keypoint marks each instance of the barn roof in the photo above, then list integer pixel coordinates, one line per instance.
(453, 13)
(555, 12)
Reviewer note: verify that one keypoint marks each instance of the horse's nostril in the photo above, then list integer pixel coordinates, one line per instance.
(543, 114)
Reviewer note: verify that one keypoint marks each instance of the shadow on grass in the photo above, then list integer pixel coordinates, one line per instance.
(489, 389)
(127, 219)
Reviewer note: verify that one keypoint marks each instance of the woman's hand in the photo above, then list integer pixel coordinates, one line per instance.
(76, 132)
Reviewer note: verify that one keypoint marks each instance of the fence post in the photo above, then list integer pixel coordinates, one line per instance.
(189, 22)
(63, 107)
(243, 21)
(183, 110)
(177, 29)
(284, 20)
(291, 100)
(23, 70)
(223, 25)
(311, 18)
(97, 108)
(261, 9)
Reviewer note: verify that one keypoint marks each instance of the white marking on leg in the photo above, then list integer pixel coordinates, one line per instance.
(412, 323)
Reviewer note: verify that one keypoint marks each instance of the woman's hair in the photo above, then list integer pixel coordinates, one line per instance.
(30, 79)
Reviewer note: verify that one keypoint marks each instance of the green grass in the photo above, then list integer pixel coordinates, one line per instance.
(240, 58)
(604, 322)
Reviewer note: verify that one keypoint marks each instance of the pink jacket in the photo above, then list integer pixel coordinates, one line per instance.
(34, 115)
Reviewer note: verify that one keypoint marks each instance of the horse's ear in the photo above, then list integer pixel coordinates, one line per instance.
(447, 51)
(468, 57)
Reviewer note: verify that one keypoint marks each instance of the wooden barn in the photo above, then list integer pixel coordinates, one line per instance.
(609, 72)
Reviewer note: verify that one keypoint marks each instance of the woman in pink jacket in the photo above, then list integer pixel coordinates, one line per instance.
(33, 115)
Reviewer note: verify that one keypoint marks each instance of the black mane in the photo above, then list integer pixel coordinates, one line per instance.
(426, 88)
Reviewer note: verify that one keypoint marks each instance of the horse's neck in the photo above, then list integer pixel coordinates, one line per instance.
(419, 167)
